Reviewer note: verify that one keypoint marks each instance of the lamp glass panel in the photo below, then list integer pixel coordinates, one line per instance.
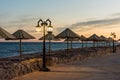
(50, 29)
(38, 29)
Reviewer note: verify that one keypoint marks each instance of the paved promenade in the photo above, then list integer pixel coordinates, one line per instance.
(100, 68)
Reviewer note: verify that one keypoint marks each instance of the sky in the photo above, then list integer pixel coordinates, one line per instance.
(84, 17)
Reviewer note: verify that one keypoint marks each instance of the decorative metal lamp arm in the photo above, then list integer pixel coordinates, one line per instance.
(48, 20)
(40, 20)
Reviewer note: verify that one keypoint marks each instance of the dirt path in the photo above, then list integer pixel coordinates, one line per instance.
(99, 68)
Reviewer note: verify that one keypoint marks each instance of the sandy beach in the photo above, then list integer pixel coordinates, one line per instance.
(106, 67)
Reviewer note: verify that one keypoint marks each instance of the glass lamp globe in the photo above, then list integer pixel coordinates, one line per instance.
(50, 29)
(38, 29)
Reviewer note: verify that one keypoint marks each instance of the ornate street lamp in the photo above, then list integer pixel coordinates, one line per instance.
(113, 35)
(49, 29)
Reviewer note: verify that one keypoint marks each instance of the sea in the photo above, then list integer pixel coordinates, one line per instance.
(8, 49)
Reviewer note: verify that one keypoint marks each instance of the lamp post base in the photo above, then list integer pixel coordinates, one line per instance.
(45, 69)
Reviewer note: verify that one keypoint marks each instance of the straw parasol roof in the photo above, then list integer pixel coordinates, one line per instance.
(21, 34)
(5, 34)
(72, 39)
(103, 38)
(83, 38)
(49, 36)
(109, 39)
(67, 33)
(93, 37)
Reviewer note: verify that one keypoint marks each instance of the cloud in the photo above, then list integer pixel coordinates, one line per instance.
(93, 24)
(24, 19)
(10, 20)
(5, 15)
(115, 14)
(26, 22)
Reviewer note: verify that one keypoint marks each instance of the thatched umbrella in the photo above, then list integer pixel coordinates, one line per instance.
(109, 40)
(73, 39)
(66, 34)
(83, 38)
(5, 34)
(22, 35)
(94, 38)
(103, 38)
(49, 36)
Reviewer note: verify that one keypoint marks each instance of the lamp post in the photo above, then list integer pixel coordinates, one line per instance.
(113, 35)
(49, 29)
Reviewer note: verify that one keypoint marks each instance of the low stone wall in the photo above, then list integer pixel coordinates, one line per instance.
(76, 56)
(9, 70)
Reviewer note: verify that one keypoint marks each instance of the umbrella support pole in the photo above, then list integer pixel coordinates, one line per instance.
(71, 44)
(49, 47)
(82, 44)
(20, 49)
(86, 44)
(67, 44)
(94, 44)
